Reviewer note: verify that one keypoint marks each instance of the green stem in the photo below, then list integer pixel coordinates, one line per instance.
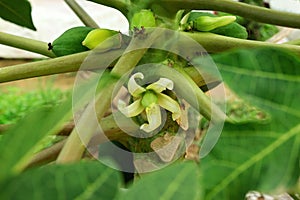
(256, 13)
(109, 127)
(64, 64)
(42, 68)
(75, 145)
(83, 16)
(206, 107)
(26, 44)
(121, 5)
(218, 43)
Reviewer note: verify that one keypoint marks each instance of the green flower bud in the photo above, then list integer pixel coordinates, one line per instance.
(207, 23)
(97, 36)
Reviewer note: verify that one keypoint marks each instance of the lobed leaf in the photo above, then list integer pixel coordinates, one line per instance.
(257, 156)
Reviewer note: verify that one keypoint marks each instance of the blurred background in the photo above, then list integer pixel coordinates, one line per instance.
(52, 18)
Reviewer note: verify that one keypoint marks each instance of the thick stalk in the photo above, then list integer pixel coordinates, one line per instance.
(63, 64)
(83, 16)
(218, 43)
(27, 44)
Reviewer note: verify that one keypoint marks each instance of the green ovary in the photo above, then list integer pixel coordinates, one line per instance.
(148, 98)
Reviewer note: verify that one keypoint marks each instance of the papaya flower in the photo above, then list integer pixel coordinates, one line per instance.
(150, 99)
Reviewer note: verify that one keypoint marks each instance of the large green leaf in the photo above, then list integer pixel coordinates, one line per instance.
(255, 156)
(180, 181)
(17, 11)
(86, 180)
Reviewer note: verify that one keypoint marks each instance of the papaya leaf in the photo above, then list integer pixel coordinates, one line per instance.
(85, 180)
(180, 181)
(256, 156)
(18, 12)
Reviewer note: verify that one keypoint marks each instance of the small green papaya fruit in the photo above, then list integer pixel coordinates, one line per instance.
(97, 36)
(70, 41)
(143, 18)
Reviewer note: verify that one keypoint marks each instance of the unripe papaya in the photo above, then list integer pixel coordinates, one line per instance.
(70, 41)
(97, 36)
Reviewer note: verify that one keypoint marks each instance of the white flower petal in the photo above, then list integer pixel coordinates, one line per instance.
(161, 85)
(133, 88)
(154, 118)
(169, 104)
(132, 110)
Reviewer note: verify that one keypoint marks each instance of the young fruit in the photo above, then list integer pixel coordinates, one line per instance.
(97, 36)
(70, 41)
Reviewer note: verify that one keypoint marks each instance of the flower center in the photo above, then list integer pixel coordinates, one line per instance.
(149, 98)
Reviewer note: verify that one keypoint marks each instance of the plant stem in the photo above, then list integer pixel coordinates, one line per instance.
(47, 155)
(83, 16)
(42, 68)
(256, 13)
(121, 5)
(218, 43)
(206, 107)
(109, 127)
(86, 127)
(64, 64)
(31, 45)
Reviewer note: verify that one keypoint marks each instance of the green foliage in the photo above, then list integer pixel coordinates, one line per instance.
(70, 41)
(17, 11)
(255, 156)
(180, 181)
(84, 180)
(15, 104)
(259, 146)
